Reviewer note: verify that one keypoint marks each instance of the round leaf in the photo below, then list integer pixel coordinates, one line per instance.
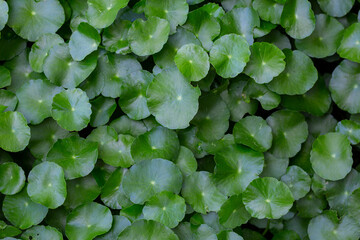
(31, 19)
(298, 77)
(350, 45)
(172, 99)
(331, 149)
(102, 108)
(192, 61)
(351, 129)
(12, 178)
(117, 152)
(88, 221)
(149, 177)
(229, 55)
(297, 180)
(269, 10)
(336, 8)
(77, 156)
(266, 62)
(47, 185)
(71, 109)
(114, 38)
(21, 211)
(148, 37)
(186, 161)
(42, 233)
(232, 213)
(4, 9)
(14, 132)
(267, 198)
(254, 132)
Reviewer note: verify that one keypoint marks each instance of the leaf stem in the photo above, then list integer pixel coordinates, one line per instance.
(267, 227)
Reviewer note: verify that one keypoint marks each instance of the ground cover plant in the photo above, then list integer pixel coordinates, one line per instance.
(179, 119)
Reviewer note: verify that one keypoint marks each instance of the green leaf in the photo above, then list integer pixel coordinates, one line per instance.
(336, 8)
(331, 149)
(212, 119)
(149, 177)
(47, 185)
(229, 55)
(21, 211)
(5, 77)
(11, 44)
(8, 100)
(350, 45)
(77, 156)
(324, 40)
(200, 191)
(62, 70)
(186, 161)
(125, 125)
(175, 11)
(236, 167)
(229, 235)
(42, 233)
(344, 86)
(289, 132)
(274, 166)
(311, 205)
(102, 13)
(40, 50)
(133, 101)
(205, 27)
(117, 152)
(254, 132)
(159, 142)
(83, 41)
(241, 21)
(80, 191)
(4, 9)
(144, 229)
(297, 180)
(148, 37)
(35, 99)
(192, 61)
(166, 208)
(351, 129)
(12, 178)
(31, 19)
(232, 213)
(298, 18)
(267, 198)
(119, 224)
(88, 221)
(114, 37)
(112, 194)
(298, 77)
(266, 62)
(186, 231)
(269, 10)
(8, 231)
(172, 99)
(14, 132)
(286, 234)
(71, 109)
(102, 108)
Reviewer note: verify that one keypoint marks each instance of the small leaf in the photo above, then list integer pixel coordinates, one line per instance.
(12, 178)
(351, 129)
(232, 213)
(297, 180)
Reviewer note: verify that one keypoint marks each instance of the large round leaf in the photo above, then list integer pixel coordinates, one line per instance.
(21, 211)
(192, 61)
(102, 13)
(331, 149)
(14, 132)
(148, 37)
(229, 55)
(232, 213)
(336, 8)
(325, 39)
(149, 177)
(83, 41)
(236, 167)
(77, 156)
(42, 233)
(266, 62)
(62, 70)
(71, 109)
(47, 185)
(166, 208)
(175, 11)
(298, 18)
(31, 19)
(267, 198)
(297, 180)
(350, 44)
(254, 132)
(345, 86)
(159, 142)
(12, 178)
(298, 77)
(88, 221)
(289, 131)
(172, 99)
(200, 191)
(35, 99)
(144, 229)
